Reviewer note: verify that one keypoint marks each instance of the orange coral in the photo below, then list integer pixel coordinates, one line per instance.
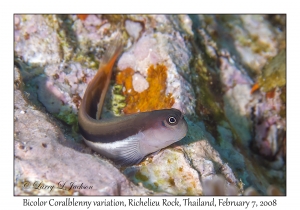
(82, 16)
(254, 88)
(153, 98)
(271, 93)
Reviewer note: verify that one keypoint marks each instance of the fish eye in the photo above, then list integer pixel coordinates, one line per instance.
(172, 120)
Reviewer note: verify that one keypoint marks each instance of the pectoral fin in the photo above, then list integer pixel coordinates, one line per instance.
(129, 153)
(124, 152)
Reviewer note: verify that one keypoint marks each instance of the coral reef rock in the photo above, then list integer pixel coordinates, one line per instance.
(226, 73)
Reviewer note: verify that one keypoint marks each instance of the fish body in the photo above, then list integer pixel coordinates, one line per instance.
(128, 139)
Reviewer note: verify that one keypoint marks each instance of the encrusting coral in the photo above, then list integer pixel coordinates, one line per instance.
(153, 98)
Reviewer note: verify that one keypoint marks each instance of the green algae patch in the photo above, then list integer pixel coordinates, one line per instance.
(208, 97)
(274, 73)
(118, 100)
(69, 118)
(140, 176)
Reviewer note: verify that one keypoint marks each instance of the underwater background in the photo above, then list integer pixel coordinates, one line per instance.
(226, 73)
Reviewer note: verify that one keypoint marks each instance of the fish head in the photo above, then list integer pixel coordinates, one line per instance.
(167, 126)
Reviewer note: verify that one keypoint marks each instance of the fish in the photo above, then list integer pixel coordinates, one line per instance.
(128, 139)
